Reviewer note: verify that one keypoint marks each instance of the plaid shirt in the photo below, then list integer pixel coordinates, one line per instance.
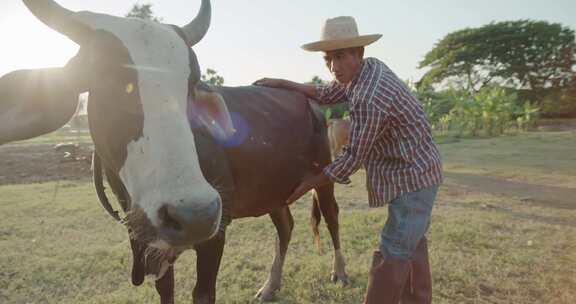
(389, 135)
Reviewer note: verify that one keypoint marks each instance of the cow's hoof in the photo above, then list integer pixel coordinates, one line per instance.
(203, 300)
(267, 292)
(343, 278)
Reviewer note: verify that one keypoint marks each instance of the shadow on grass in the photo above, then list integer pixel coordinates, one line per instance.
(551, 220)
(541, 195)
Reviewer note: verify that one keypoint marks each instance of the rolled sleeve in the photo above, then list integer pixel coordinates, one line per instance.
(331, 93)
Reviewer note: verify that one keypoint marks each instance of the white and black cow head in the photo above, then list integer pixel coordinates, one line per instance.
(141, 76)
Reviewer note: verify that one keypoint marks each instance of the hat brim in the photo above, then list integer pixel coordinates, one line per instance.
(330, 45)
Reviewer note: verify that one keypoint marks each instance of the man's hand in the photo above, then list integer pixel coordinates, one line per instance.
(272, 83)
(306, 89)
(308, 184)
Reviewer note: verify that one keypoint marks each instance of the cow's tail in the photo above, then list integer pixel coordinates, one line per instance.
(321, 153)
(315, 219)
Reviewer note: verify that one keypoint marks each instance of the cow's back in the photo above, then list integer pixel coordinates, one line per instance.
(274, 149)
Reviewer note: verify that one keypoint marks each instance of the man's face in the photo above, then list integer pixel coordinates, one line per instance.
(344, 64)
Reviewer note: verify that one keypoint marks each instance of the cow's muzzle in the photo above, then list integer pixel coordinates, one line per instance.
(187, 225)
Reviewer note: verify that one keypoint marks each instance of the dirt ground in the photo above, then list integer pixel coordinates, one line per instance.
(557, 125)
(36, 163)
(559, 197)
(42, 162)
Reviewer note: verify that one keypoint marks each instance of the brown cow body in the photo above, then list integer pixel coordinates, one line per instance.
(281, 139)
(284, 140)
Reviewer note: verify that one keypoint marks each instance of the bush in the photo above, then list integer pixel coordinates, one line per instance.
(436, 104)
(488, 112)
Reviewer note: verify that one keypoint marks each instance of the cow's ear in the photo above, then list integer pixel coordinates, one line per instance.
(210, 110)
(35, 102)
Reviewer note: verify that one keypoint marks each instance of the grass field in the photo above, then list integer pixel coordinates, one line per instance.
(58, 246)
(57, 136)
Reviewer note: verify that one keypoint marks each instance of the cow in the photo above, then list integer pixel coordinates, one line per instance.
(183, 158)
(338, 133)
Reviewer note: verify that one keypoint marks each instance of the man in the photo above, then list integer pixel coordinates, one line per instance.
(391, 137)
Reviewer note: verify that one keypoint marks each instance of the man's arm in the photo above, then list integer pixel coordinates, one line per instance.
(322, 94)
(307, 89)
(368, 123)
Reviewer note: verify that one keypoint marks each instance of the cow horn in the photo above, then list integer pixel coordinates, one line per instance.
(58, 18)
(196, 29)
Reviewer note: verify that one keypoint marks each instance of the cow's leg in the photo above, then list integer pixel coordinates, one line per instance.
(332, 139)
(282, 219)
(165, 287)
(324, 198)
(208, 256)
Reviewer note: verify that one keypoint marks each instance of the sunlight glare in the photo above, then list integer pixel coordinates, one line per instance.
(27, 43)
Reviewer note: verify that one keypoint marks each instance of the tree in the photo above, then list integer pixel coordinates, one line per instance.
(212, 77)
(317, 80)
(143, 11)
(527, 55)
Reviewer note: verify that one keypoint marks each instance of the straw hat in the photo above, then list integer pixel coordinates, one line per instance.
(340, 33)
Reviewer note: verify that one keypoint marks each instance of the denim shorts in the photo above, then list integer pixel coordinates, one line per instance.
(408, 221)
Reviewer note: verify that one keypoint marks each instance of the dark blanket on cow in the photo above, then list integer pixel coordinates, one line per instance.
(272, 149)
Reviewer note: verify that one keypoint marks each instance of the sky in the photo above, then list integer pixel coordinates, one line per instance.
(252, 39)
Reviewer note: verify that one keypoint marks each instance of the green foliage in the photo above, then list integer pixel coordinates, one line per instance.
(143, 11)
(521, 54)
(436, 104)
(489, 112)
(213, 78)
(340, 110)
(527, 116)
(317, 80)
(496, 109)
(327, 113)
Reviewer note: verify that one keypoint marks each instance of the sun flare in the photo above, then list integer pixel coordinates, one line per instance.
(27, 43)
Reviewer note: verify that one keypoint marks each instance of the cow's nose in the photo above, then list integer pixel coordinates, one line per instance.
(189, 224)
